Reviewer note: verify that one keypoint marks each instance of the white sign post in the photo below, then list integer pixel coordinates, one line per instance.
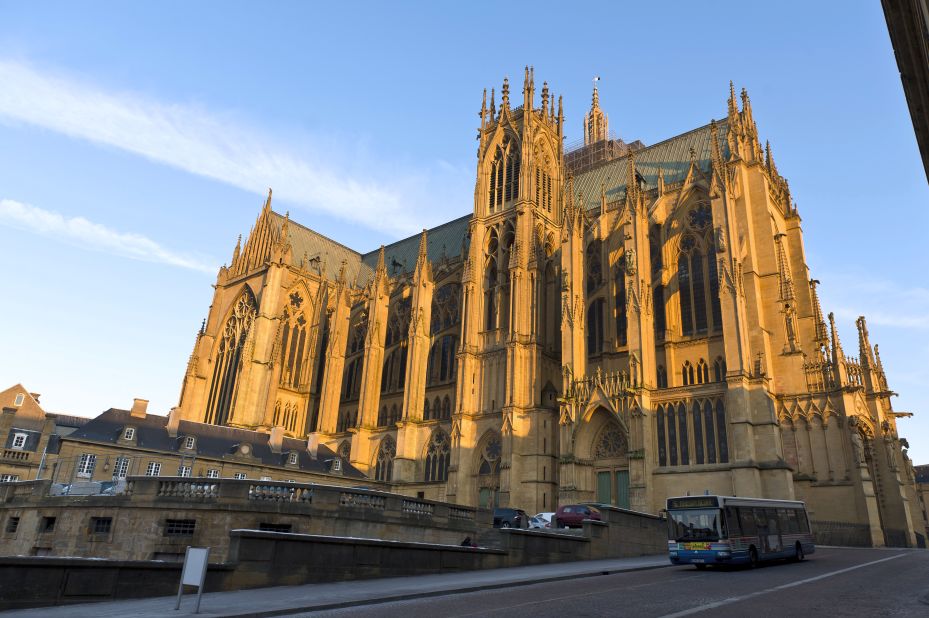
(193, 574)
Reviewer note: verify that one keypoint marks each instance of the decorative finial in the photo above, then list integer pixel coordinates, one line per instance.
(505, 100)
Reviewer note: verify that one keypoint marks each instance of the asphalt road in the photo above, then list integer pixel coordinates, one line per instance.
(832, 582)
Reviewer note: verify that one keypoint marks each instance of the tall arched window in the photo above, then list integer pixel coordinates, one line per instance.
(621, 319)
(595, 328)
(703, 372)
(662, 377)
(658, 307)
(504, 175)
(488, 471)
(384, 468)
(446, 308)
(594, 266)
(446, 408)
(440, 367)
(719, 369)
(438, 456)
(687, 374)
(227, 364)
(698, 283)
(427, 413)
(662, 445)
(490, 295)
(293, 346)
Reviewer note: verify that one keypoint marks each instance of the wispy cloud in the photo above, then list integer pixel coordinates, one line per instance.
(213, 145)
(883, 301)
(95, 236)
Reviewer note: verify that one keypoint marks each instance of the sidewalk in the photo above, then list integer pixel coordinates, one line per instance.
(283, 600)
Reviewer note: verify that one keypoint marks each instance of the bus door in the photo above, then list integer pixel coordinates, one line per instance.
(770, 531)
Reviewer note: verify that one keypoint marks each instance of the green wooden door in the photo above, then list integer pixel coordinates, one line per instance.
(622, 489)
(603, 488)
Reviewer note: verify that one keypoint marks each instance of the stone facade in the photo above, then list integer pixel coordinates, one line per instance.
(620, 331)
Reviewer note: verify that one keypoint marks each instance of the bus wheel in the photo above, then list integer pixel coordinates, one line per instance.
(798, 556)
(752, 558)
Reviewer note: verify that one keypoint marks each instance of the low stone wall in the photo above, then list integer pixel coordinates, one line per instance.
(275, 559)
(841, 533)
(40, 582)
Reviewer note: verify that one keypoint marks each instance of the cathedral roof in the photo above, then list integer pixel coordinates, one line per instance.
(672, 156)
(331, 254)
(446, 240)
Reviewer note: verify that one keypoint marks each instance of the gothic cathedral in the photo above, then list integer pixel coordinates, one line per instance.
(615, 323)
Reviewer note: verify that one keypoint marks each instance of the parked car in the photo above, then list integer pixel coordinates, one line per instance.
(510, 518)
(546, 518)
(537, 523)
(571, 515)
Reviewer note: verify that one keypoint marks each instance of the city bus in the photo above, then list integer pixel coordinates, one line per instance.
(704, 530)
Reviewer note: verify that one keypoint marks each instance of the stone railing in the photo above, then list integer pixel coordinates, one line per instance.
(417, 507)
(364, 500)
(280, 493)
(820, 376)
(853, 371)
(186, 489)
(15, 455)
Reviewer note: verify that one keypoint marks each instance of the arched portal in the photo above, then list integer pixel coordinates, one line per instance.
(604, 442)
(488, 470)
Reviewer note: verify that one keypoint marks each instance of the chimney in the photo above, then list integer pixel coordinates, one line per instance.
(277, 439)
(312, 445)
(174, 420)
(139, 406)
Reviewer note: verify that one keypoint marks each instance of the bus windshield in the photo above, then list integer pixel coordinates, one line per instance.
(695, 525)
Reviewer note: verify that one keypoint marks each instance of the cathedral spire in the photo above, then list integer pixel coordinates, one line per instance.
(423, 269)
(493, 105)
(529, 88)
(267, 205)
(560, 117)
(236, 252)
(595, 122)
(822, 337)
(484, 109)
(769, 159)
(381, 265)
(864, 343)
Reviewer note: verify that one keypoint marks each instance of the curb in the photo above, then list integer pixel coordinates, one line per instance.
(438, 593)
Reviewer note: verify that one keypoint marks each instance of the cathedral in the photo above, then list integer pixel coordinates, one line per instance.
(615, 322)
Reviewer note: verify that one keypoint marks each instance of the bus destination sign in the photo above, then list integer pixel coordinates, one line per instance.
(692, 502)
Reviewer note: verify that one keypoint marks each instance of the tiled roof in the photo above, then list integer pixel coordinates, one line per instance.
(210, 441)
(444, 240)
(671, 155)
(305, 241)
(400, 257)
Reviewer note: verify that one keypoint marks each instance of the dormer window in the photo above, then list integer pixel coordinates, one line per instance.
(189, 442)
(129, 433)
(19, 441)
(292, 459)
(336, 465)
(20, 397)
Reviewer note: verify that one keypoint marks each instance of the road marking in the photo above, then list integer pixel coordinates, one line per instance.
(715, 604)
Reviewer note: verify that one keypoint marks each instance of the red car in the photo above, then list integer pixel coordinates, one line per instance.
(571, 515)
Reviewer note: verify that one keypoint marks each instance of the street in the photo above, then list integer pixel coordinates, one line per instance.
(833, 581)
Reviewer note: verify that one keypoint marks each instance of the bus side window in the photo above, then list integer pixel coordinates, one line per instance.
(793, 524)
(761, 521)
(732, 522)
(804, 522)
(747, 521)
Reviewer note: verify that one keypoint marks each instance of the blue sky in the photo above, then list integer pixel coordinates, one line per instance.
(139, 139)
